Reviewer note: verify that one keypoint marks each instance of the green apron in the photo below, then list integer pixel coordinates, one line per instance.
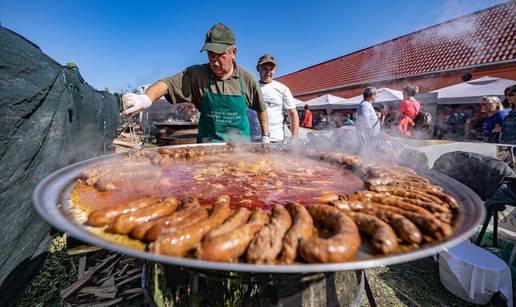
(223, 117)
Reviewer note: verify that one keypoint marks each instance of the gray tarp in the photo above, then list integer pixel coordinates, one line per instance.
(49, 118)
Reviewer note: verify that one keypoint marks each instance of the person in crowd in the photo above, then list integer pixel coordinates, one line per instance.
(508, 131)
(278, 98)
(473, 126)
(457, 123)
(306, 120)
(347, 120)
(441, 127)
(336, 121)
(492, 124)
(506, 107)
(367, 122)
(322, 122)
(384, 110)
(221, 90)
(409, 110)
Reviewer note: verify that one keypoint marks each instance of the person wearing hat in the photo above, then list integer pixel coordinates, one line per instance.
(278, 98)
(221, 91)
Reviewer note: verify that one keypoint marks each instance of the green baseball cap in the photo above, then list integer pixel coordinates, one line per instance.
(218, 39)
(266, 58)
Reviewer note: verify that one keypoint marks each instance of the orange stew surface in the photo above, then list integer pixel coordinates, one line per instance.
(251, 180)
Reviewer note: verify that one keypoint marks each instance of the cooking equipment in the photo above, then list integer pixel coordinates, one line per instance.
(51, 200)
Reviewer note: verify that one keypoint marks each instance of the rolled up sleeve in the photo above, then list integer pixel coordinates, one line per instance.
(256, 102)
(179, 87)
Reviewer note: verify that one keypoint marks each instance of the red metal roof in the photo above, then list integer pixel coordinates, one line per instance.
(484, 37)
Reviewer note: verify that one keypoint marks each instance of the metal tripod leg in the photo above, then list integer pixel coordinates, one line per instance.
(368, 292)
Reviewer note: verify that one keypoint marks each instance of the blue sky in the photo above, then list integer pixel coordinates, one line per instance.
(127, 43)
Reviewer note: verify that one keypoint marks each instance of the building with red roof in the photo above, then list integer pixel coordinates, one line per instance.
(472, 46)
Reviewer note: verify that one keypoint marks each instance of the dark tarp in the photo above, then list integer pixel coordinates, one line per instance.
(492, 179)
(49, 118)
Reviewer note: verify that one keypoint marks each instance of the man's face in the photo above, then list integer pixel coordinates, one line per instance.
(375, 96)
(266, 71)
(221, 64)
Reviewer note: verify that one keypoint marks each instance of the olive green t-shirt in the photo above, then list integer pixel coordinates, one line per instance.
(190, 84)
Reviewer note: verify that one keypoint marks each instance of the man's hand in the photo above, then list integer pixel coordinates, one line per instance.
(134, 103)
(266, 139)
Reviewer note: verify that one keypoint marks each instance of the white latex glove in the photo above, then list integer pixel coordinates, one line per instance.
(265, 139)
(134, 103)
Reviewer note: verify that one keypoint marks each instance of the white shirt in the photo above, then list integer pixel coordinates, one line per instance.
(278, 98)
(367, 123)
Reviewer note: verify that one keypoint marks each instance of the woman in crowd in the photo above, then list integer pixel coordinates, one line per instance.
(384, 109)
(306, 120)
(492, 124)
(508, 131)
(409, 110)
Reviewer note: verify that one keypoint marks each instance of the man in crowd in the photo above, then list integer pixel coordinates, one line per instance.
(221, 90)
(367, 122)
(278, 98)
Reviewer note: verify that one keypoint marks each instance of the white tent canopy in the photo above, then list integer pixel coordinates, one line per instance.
(472, 91)
(383, 95)
(323, 102)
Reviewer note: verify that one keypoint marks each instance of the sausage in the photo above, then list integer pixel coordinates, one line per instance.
(349, 161)
(236, 220)
(124, 223)
(383, 171)
(405, 177)
(442, 213)
(405, 229)
(302, 228)
(438, 210)
(406, 192)
(399, 182)
(266, 245)
(189, 204)
(429, 226)
(398, 173)
(422, 194)
(326, 198)
(229, 246)
(105, 216)
(448, 199)
(111, 181)
(196, 215)
(383, 237)
(341, 246)
(390, 201)
(180, 242)
(91, 175)
(349, 205)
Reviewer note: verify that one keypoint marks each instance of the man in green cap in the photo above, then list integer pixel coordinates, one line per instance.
(221, 90)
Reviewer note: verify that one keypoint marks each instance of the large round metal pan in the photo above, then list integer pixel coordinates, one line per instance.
(51, 200)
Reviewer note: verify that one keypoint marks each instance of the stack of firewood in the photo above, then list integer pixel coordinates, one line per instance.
(105, 279)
